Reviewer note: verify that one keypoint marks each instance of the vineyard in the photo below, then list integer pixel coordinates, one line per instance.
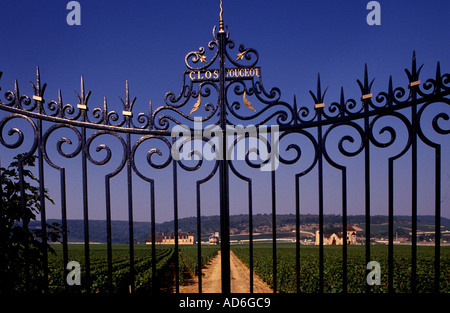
(262, 264)
(356, 268)
(121, 277)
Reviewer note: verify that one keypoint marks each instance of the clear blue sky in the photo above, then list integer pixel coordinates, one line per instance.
(145, 42)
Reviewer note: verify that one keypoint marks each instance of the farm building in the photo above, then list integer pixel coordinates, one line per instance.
(169, 239)
(214, 239)
(336, 238)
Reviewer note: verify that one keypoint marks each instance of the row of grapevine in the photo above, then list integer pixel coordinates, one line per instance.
(356, 268)
(121, 275)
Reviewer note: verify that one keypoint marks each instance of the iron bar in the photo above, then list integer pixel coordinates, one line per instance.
(87, 262)
(64, 222)
(344, 229)
(367, 190)
(199, 239)
(250, 231)
(274, 229)
(38, 102)
(109, 233)
(366, 101)
(42, 209)
(297, 233)
(153, 232)
(130, 212)
(320, 186)
(414, 195)
(223, 172)
(437, 221)
(391, 225)
(175, 220)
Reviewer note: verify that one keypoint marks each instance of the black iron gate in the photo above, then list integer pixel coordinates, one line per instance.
(243, 111)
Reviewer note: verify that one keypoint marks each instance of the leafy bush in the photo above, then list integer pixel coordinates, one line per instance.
(22, 250)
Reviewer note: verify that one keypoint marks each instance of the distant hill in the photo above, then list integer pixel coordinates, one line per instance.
(262, 223)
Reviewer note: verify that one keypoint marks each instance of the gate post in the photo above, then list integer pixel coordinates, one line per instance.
(223, 167)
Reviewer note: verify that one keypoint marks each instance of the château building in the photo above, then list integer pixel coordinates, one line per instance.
(169, 239)
(333, 238)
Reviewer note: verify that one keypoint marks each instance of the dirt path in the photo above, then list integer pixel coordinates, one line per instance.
(240, 278)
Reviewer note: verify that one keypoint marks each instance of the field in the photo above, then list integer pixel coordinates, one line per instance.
(356, 268)
(286, 273)
(121, 268)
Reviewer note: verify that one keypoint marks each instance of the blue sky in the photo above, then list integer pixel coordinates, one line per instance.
(145, 42)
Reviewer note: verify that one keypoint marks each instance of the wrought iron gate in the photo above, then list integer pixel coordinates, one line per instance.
(230, 73)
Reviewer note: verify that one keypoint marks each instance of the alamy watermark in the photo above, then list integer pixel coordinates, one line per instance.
(374, 276)
(374, 16)
(74, 16)
(74, 276)
(208, 143)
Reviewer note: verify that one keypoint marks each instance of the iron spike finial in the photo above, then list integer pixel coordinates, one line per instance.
(127, 93)
(16, 93)
(16, 87)
(38, 78)
(414, 66)
(390, 91)
(83, 98)
(150, 115)
(415, 71)
(38, 88)
(221, 25)
(319, 92)
(342, 102)
(439, 82)
(318, 98)
(82, 86)
(390, 88)
(366, 78)
(413, 76)
(438, 71)
(365, 86)
(60, 104)
(127, 105)
(295, 110)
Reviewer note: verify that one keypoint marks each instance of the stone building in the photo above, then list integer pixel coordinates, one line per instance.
(169, 239)
(336, 238)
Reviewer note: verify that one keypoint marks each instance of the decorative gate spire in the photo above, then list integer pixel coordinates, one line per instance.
(221, 28)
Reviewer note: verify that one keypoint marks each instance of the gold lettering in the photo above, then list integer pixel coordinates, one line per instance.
(234, 72)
